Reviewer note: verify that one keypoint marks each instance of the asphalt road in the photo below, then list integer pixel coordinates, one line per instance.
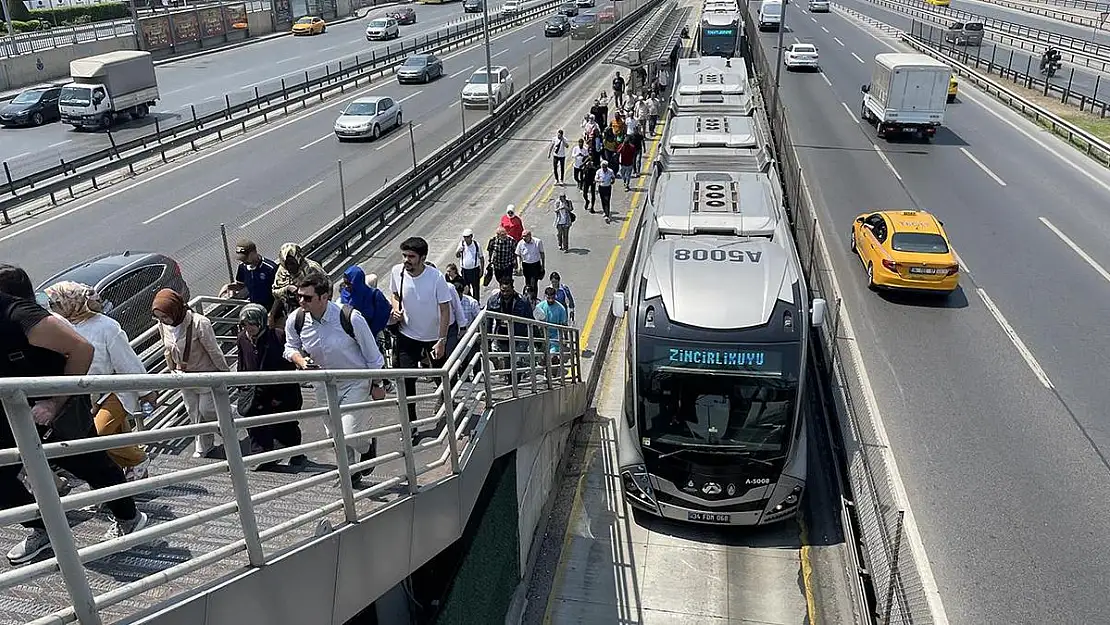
(203, 81)
(275, 185)
(1079, 79)
(1007, 477)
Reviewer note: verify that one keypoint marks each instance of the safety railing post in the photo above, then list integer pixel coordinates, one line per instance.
(485, 350)
(577, 356)
(50, 506)
(339, 441)
(512, 359)
(532, 356)
(449, 417)
(238, 470)
(406, 436)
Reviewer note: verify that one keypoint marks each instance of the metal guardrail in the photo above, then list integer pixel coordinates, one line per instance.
(1094, 147)
(874, 516)
(532, 362)
(334, 78)
(1086, 5)
(1063, 16)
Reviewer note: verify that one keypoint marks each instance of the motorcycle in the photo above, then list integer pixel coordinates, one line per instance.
(1049, 69)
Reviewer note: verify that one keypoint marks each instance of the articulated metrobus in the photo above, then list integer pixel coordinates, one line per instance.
(720, 34)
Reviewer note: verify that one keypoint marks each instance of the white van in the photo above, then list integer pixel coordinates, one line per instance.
(770, 14)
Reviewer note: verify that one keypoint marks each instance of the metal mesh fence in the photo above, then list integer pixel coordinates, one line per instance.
(898, 591)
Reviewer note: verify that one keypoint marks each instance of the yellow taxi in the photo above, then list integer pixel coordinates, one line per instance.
(905, 249)
(938, 3)
(953, 87)
(309, 26)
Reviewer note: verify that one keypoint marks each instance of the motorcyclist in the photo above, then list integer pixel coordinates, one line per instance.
(1050, 60)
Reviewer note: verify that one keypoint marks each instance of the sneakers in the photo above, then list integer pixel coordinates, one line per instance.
(29, 548)
(123, 528)
(138, 472)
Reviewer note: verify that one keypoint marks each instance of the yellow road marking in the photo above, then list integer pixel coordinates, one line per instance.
(807, 574)
(599, 299)
(631, 215)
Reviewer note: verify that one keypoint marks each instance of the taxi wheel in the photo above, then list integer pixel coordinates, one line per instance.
(852, 241)
(871, 276)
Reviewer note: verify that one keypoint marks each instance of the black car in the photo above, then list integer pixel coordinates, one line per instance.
(420, 68)
(33, 107)
(472, 6)
(403, 15)
(126, 283)
(556, 26)
(568, 9)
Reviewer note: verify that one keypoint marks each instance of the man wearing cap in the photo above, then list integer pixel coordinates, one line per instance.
(255, 275)
(472, 263)
(512, 223)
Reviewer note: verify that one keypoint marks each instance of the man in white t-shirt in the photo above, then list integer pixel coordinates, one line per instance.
(472, 262)
(530, 251)
(578, 155)
(421, 312)
(558, 153)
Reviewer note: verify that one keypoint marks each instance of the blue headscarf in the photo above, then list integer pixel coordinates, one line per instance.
(369, 301)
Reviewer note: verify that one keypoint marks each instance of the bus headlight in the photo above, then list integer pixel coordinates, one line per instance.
(637, 485)
(790, 500)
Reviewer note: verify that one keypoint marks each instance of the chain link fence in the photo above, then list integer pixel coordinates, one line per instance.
(897, 591)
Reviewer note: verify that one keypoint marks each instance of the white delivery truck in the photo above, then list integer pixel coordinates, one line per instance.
(770, 14)
(908, 94)
(108, 86)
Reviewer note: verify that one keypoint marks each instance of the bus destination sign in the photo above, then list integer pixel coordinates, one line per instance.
(723, 359)
(719, 32)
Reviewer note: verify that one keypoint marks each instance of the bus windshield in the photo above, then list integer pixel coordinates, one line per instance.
(716, 395)
(718, 41)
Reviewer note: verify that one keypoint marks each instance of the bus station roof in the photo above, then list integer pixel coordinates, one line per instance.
(653, 40)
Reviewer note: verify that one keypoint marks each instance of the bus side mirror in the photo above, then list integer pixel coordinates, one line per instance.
(865, 88)
(619, 305)
(817, 312)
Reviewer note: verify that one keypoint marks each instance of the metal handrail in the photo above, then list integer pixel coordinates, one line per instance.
(529, 352)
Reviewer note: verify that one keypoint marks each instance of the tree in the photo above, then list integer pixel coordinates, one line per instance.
(17, 11)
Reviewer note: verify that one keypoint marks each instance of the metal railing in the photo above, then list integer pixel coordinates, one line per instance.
(1094, 22)
(1086, 5)
(488, 366)
(877, 523)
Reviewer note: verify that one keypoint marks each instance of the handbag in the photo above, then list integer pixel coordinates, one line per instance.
(73, 421)
(489, 276)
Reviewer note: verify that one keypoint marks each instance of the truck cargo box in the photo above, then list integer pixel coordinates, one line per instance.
(121, 72)
(911, 87)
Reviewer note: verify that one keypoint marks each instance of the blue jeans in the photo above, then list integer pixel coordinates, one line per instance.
(626, 174)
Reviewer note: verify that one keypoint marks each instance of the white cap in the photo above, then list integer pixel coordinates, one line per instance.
(511, 209)
(468, 232)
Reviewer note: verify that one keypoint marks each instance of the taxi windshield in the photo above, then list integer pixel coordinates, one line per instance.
(919, 243)
(305, 20)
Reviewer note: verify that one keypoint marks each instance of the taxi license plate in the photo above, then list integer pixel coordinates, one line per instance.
(928, 271)
(708, 517)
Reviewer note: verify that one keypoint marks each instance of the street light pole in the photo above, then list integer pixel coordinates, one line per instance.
(778, 64)
(8, 26)
(489, 62)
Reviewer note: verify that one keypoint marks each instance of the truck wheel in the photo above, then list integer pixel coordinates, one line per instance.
(141, 111)
(106, 121)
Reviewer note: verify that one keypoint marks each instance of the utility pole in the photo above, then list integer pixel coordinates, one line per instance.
(778, 63)
(489, 68)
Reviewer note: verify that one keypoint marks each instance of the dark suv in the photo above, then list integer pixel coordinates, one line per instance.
(126, 283)
(33, 107)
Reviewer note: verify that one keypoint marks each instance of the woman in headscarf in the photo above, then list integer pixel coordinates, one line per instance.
(260, 349)
(293, 266)
(80, 305)
(368, 300)
(191, 347)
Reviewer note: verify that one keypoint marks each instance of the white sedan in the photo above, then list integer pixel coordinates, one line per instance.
(800, 55)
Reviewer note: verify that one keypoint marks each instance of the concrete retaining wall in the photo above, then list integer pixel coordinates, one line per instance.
(537, 464)
(53, 65)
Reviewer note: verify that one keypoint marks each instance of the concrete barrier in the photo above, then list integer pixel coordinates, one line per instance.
(52, 65)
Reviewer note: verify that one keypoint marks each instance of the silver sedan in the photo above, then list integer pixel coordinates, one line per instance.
(368, 118)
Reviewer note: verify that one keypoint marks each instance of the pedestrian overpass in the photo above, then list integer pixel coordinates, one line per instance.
(228, 544)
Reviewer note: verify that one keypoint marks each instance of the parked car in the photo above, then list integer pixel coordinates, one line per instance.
(556, 26)
(607, 15)
(420, 68)
(511, 7)
(473, 6)
(309, 25)
(126, 283)
(403, 15)
(818, 6)
(33, 107)
(475, 92)
(568, 9)
(368, 117)
(382, 28)
(584, 26)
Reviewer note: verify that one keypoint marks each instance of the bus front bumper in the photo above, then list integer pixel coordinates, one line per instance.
(666, 502)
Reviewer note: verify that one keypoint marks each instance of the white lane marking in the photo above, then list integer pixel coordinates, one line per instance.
(411, 96)
(963, 266)
(283, 204)
(796, 40)
(851, 115)
(54, 145)
(453, 104)
(886, 161)
(404, 135)
(190, 201)
(917, 545)
(828, 82)
(838, 41)
(1069, 162)
(206, 155)
(461, 71)
(528, 39)
(857, 58)
(814, 20)
(315, 141)
(539, 53)
(497, 54)
(1030, 359)
(985, 169)
(868, 32)
(825, 29)
(17, 156)
(288, 60)
(1078, 250)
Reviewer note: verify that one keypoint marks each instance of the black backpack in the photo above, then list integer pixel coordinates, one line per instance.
(344, 320)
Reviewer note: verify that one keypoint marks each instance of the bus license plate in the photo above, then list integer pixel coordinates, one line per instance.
(929, 271)
(708, 517)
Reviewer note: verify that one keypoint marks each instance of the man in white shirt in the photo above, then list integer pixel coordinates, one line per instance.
(558, 153)
(564, 219)
(578, 155)
(323, 342)
(421, 312)
(652, 115)
(530, 251)
(472, 262)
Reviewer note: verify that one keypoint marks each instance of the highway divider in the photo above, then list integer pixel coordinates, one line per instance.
(84, 172)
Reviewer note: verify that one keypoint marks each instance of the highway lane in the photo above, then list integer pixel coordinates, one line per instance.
(204, 80)
(281, 184)
(1006, 476)
(1084, 80)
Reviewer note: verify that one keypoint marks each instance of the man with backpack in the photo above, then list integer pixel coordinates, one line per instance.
(324, 335)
